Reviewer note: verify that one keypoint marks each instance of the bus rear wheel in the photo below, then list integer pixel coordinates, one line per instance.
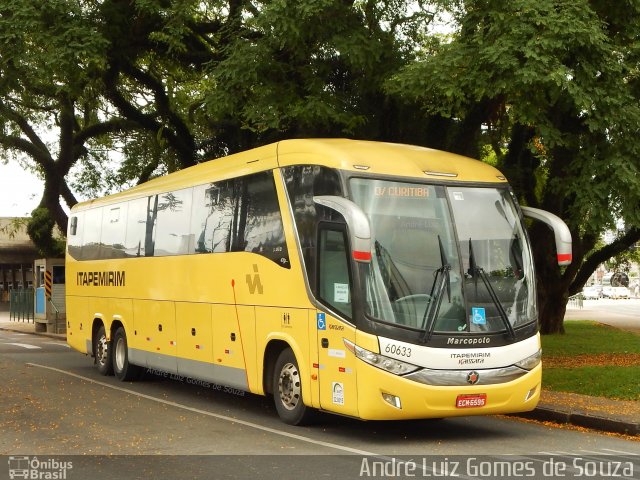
(102, 352)
(287, 390)
(121, 367)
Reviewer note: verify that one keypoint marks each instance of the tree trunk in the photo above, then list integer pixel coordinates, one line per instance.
(552, 286)
(551, 307)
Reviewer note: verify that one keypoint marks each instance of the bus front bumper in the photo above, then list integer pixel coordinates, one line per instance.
(384, 396)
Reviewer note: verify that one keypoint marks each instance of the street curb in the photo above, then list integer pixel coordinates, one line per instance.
(582, 419)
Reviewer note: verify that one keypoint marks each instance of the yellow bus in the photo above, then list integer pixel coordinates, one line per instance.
(374, 280)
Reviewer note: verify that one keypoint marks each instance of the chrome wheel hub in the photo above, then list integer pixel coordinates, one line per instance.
(120, 354)
(289, 386)
(102, 350)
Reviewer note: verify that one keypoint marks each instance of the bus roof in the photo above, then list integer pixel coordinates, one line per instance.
(386, 159)
(365, 157)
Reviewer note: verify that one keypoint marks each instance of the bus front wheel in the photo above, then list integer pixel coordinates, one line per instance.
(102, 352)
(121, 367)
(287, 390)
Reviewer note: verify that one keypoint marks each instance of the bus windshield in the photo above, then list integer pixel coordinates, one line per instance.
(446, 258)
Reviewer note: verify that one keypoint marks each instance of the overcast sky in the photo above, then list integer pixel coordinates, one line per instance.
(20, 191)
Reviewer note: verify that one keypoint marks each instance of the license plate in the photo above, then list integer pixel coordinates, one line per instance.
(471, 401)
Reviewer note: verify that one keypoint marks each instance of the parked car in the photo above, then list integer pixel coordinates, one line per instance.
(608, 292)
(591, 293)
(615, 292)
(622, 292)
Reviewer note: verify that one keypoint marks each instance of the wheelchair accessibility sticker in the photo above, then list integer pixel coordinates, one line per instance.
(478, 316)
(322, 321)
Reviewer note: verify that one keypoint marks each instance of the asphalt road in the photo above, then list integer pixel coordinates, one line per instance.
(623, 313)
(53, 403)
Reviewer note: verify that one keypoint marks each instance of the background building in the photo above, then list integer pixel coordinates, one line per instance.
(17, 253)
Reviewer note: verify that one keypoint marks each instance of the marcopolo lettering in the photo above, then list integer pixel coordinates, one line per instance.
(101, 279)
(468, 341)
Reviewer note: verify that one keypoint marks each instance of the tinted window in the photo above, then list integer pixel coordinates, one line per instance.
(113, 231)
(303, 183)
(91, 234)
(173, 234)
(240, 215)
(237, 215)
(212, 220)
(151, 221)
(135, 240)
(260, 228)
(74, 239)
(334, 285)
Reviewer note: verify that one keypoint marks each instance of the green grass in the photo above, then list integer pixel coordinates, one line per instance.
(620, 383)
(592, 338)
(586, 337)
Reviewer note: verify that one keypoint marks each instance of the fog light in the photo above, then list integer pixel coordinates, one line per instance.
(530, 393)
(392, 400)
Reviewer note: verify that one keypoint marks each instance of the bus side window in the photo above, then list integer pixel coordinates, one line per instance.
(334, 279)
(262, 230)
(136, 227)
(113, 231)
(212, 217)
(91, 235)
(173, 234)
(303, 183)
(239, 215)
(74, 239)
(151, 222)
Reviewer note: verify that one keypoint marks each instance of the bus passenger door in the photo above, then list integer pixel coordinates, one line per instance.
(336, 366)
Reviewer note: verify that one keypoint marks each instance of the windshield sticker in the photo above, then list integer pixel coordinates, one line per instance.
(478, 316)
(341, 292)
(338, 393)
(458, 196)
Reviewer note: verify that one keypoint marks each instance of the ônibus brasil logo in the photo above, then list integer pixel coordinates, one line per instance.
(37, 469)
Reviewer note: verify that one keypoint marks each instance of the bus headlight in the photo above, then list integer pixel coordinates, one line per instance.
(388, 364)
(530, 362)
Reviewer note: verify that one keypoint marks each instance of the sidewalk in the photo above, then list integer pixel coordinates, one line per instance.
(591, 412)
(24, 327)
(609, 312)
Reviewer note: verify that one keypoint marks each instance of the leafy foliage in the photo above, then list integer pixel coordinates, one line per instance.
(99, 94)
(50, 114)
(40, 229)
(555, 82)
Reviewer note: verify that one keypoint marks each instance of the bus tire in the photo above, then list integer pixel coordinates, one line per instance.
(102, 352)
(122, 369)
(287, 390)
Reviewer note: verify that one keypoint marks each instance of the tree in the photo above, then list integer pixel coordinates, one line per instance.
(170, 84)
(623, 261)
(220, 77)
(552, 86)
(49, 111)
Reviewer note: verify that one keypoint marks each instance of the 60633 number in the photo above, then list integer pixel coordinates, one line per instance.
(398, 350)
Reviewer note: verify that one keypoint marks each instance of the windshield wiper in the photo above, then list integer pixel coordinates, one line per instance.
(443, 280)
(475, 272)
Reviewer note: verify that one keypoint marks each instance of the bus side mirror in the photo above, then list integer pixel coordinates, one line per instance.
(560, 230)
(357, 222)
